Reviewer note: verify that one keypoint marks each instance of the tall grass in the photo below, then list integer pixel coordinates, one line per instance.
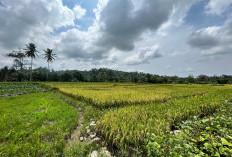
(105, 95)
(127, 127)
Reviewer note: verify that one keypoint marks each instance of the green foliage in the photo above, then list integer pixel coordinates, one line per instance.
(49, 55)
(79, 149)
(30, 50)
(19, 88)
(210, 136)
(107, 75)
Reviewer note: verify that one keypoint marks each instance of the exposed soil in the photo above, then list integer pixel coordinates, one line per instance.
(75, 135)
(40, 110)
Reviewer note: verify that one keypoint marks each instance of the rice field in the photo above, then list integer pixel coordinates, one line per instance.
(106, 95)
(127, 127)
(136, 110)
(127, 114)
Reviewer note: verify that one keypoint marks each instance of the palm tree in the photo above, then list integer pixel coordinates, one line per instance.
(30, 51)
(49, 56)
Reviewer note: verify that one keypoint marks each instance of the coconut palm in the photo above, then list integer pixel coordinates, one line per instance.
(49, 56)
(30, 51)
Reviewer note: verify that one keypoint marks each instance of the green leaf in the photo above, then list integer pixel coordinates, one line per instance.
(225, 142)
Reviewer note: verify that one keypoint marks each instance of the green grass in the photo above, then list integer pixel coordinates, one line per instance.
(35, 125)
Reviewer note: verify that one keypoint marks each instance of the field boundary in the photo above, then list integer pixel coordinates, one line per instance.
(75, 133)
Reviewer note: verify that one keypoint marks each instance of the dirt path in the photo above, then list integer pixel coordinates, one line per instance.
(90, 137)
(75, 134)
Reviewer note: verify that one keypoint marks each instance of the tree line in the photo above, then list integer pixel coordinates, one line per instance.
(104, 75)
(20, 68)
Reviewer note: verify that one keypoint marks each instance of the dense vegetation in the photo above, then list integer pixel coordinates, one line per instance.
(127, 128)
(105, 75)
(8, 89)
(210, 136)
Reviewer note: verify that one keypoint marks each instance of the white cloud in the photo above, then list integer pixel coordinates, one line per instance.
(23, 21)
(177, 53)
(144, 55)
(215, 40)
(190, 70)
(122, 22)
(79, 12)
(122, 34)
(111, 32)
(218, 7)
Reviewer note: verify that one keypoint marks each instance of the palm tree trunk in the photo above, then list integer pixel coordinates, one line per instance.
(31, 68)
(48, 71)
(21, 66)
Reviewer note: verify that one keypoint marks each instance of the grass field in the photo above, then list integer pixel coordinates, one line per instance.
(35, 125)
(131, 118)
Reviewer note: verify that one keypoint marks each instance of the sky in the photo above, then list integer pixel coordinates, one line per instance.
(164, 37)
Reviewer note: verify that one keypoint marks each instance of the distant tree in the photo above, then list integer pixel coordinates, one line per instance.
(134, 77)
(19, 59)
(20, 77)
(4, 74)
(49, 56)
(202, 79)
(122, 78)
(173, 79)
(66, 77)
(148, 76)
(16, 64)
(102, 76)
(224, 79)
(30, 51)
(78, 76)
(160, 79)
(110, 75)
(54, 76)
(190, 79)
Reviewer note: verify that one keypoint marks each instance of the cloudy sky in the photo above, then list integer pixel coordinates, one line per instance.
(166, 37)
